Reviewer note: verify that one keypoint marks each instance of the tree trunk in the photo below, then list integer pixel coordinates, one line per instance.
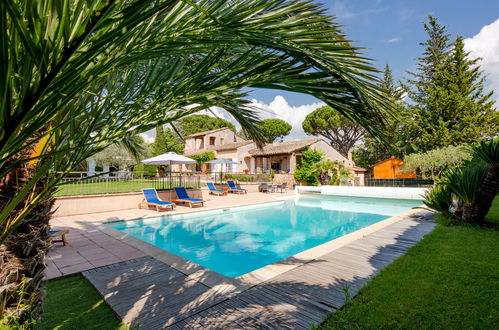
(486, 194)
(470, 212)
(22, 255)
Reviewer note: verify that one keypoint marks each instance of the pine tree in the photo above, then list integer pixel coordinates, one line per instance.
(387, 82)
(437, 49)
(372, 150)
(465, 111)
(450, 106)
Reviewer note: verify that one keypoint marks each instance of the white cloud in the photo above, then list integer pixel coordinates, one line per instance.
(393, 40)
(149, 135)
(278, 108)
(342, 11)
(485, 44)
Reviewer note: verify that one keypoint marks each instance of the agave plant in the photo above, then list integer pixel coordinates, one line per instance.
(79, 75)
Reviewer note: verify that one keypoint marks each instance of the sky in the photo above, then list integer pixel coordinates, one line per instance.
(390, 31)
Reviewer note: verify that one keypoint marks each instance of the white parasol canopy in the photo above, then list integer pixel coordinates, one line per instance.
(222, 161)
(168, 159)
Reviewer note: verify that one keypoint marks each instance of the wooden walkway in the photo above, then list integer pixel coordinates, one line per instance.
(151, 295)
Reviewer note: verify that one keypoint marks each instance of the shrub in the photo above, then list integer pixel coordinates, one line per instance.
(204, 157)
(439, 198)
(465, 182)
(305, 170)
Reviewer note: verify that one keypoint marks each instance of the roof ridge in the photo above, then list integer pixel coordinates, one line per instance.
(207, 132)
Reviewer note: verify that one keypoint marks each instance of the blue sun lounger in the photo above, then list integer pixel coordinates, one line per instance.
(151, 199)
(183, 197)
(214, 190)
(235, 189)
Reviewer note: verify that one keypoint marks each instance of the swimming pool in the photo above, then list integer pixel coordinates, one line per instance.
(238, 240)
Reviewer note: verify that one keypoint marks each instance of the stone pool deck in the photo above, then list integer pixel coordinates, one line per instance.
(88, 247)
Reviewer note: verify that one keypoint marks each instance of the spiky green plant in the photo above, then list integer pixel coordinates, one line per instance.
(465, 184)
(487, 152)
(439, 198)
(79, 75)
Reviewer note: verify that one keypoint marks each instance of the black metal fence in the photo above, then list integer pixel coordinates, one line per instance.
(79, 183)
(399, 183)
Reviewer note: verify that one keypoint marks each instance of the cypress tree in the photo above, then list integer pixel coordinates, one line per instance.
(159, 145)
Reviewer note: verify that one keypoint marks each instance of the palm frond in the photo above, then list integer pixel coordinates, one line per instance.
(488, 151)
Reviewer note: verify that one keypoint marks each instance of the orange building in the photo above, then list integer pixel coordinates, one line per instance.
(390, 169)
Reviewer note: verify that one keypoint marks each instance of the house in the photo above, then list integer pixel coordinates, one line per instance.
(390, 169)
(280, 157)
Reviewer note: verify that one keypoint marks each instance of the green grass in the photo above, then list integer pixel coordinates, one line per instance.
(448, 280)
(113, 186)
(73, 303)
(493, 215)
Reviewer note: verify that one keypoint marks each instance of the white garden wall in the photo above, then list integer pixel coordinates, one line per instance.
(374, 192)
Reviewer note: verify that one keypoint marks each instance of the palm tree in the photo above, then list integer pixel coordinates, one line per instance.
(79, 75)
(487, 152)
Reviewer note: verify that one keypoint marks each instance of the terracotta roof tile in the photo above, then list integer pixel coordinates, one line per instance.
(282, 147)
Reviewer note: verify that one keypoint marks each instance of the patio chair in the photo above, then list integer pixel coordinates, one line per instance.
(234, 189)
(58, 233)
(215, 191)
(264, 187)
(183, 197)
(282, 187)
(151, 199)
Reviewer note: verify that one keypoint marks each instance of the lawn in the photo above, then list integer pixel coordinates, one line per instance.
(448, 280)
(73, 303)
(103, 186)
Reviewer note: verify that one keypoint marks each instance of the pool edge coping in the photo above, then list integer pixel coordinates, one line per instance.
(235, 285)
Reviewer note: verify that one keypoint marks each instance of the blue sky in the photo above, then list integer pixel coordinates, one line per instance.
(392, 30)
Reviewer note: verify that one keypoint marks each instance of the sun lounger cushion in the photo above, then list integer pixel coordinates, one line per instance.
(152, 197)
(182, 195)
(211, 186)
(232, 186)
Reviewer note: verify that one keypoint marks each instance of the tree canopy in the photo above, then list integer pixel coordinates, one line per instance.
(123, 155)
(200, 123)
(341, 132)
(450, 106)
(371, 150)
(433, 163)
(274, 128)
(166, 141)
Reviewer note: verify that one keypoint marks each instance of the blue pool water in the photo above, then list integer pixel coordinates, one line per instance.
(238, 240)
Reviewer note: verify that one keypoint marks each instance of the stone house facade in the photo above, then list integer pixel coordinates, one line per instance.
(280, 157)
